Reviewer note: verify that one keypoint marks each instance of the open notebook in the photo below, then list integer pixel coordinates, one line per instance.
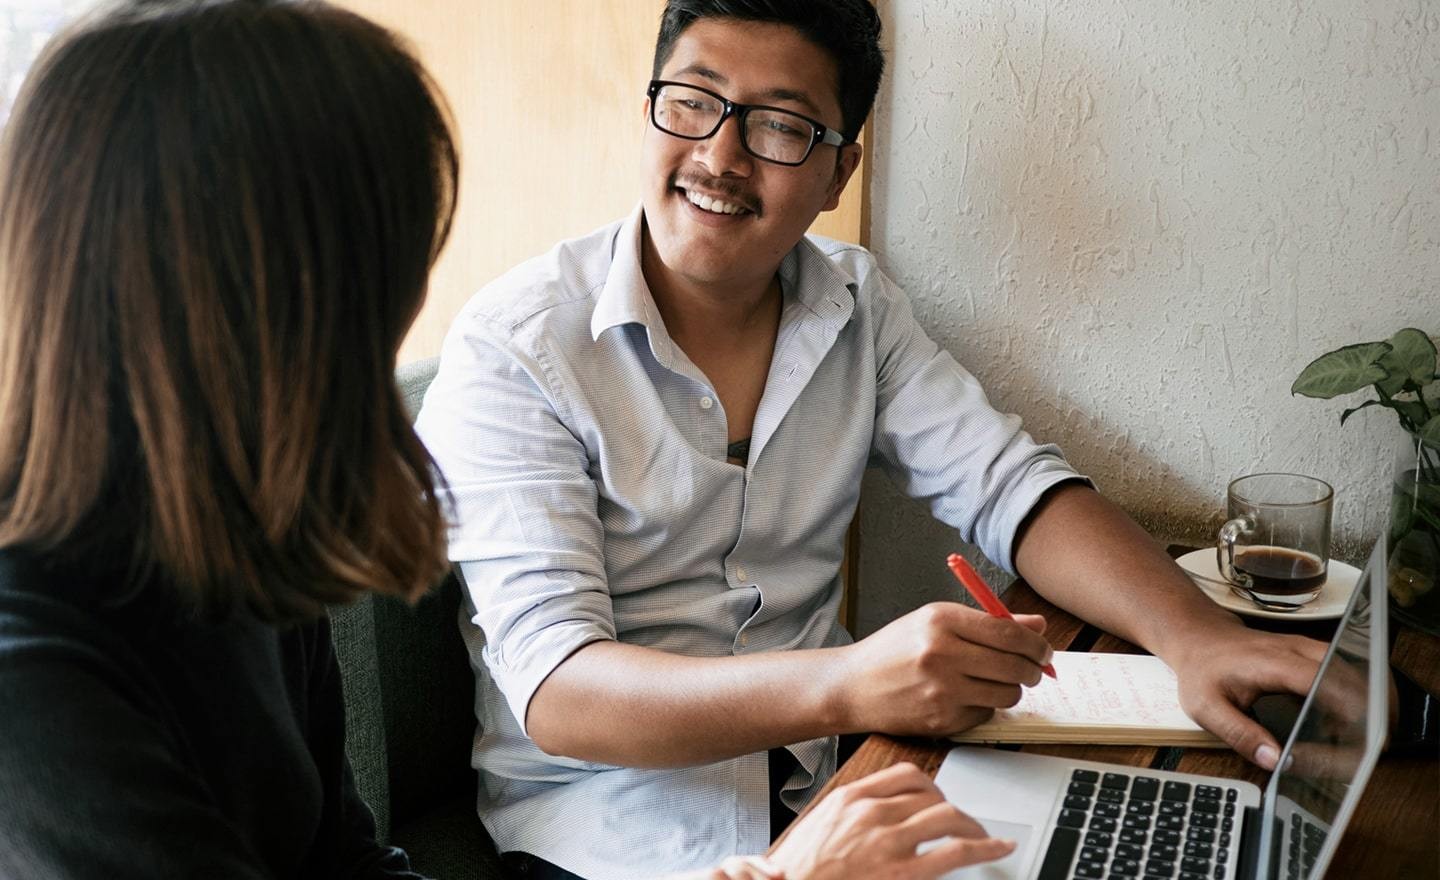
(1112, 699)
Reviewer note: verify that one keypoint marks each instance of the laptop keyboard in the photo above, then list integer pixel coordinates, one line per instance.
(1113, 825)
(1305, 840)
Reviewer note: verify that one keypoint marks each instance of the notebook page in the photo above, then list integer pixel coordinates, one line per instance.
(1101, 690)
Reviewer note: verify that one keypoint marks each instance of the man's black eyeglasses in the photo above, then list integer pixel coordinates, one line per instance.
(768, 133)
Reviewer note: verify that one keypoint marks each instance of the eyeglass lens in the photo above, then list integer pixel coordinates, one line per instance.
(769, 134)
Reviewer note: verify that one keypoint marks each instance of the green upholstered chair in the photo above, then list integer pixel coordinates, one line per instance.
(410, 719)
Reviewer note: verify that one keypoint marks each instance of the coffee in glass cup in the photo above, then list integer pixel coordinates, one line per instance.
(1275, 547)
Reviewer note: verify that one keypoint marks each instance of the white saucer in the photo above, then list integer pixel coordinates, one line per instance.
(1329, 605)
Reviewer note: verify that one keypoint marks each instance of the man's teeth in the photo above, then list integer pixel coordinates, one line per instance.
(705, 203)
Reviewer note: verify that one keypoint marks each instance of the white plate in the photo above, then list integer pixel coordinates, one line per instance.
(1329, 605)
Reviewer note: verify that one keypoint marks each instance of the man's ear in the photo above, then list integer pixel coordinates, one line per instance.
(846, 161)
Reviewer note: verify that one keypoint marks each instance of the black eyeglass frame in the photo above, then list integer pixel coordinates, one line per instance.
(823, 134)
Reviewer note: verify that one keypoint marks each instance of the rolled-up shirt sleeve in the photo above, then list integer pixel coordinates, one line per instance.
(940, 440)
(524, 530)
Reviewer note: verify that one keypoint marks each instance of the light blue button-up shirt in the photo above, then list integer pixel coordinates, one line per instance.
(592, 499)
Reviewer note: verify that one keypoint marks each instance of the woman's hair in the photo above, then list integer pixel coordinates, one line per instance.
(217, 219)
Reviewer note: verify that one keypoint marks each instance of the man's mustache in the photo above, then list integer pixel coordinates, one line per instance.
(728, 189)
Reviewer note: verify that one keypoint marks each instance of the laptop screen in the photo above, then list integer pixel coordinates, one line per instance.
(1336, 738)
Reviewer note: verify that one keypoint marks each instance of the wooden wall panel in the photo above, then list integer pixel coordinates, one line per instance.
(548, 98)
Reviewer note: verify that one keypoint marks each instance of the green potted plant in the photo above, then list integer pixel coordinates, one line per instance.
(1406, 377)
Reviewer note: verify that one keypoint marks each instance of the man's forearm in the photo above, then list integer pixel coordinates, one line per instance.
(639, 707)
(1083, 553)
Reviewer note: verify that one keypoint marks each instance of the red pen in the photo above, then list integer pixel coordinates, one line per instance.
(970, 579)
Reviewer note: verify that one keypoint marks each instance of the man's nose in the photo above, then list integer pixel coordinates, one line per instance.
(723, 153)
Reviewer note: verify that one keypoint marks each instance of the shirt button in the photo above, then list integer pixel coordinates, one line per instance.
(741, 574)
(706, 403)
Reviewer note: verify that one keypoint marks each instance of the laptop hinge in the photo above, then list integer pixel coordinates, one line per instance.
(1248, 855)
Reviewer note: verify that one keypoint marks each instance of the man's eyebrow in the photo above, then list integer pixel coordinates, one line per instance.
(703, 72)
(719, 79)
(793, 96)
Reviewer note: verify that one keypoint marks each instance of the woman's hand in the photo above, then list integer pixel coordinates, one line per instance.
(871, 828)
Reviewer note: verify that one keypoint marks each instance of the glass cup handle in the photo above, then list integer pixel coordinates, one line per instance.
(1225, 550)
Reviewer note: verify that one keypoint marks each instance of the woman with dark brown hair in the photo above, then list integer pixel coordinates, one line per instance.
(217, 218)
(216, 224)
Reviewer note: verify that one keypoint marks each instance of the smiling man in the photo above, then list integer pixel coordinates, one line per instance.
(654, 438)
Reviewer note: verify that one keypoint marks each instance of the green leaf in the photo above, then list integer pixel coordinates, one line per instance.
(1410, 410)
(1354, 409)
(1430, 432)
(1342, 371)
(1411, 359)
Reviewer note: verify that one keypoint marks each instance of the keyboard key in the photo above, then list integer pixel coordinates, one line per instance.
(1134, 835)
(1139, 823)
(1191, 875)
(1219, 872)
(1124, 868)
(1225, 838)
(1117, 781)
(1168, 837)
(1176, 791)
(1109, 811)
(1100, 823)
(1202, 835)
(1173, 808)
(1199, 866)
(1089, 870)
(1085, 776)
(1094, 854)
(1110, 796)
(1098, 838)
(1140, 808)
(1207, 805)
(1063, 844)
(1145, 788)
(1165, 851)
(1222, 855)
(1226, 824)
(1173, 823)
(1076, 802)
(1084, 789)
(1208, 791)
(1129, 851)
(1230, 795)
(1160, 867)
(1205, 820)
(1229, 809)
(1071, 819)
(1198, 850)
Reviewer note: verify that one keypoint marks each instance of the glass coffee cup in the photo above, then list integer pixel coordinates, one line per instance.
(1275, 548)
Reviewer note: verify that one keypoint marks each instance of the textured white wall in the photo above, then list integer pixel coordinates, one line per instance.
(1135, 223)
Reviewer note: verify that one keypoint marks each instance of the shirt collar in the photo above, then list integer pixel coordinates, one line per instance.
(625, 297)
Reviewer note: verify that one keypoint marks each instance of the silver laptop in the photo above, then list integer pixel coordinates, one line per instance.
(1081, 819)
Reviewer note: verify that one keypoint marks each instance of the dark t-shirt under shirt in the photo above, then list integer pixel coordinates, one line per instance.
(135, 742)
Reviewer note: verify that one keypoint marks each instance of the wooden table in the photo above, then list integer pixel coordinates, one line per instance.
(1395, 833)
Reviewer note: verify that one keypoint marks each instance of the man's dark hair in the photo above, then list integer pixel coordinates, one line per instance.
(849, 30)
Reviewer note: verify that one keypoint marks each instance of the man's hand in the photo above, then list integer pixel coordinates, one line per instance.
(871, 828)
(941, 669)
(1221, 675)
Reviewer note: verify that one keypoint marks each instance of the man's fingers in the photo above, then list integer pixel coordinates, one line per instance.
(959, 852)
(1243, 735)
(1034, 622)
(1022, 635)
